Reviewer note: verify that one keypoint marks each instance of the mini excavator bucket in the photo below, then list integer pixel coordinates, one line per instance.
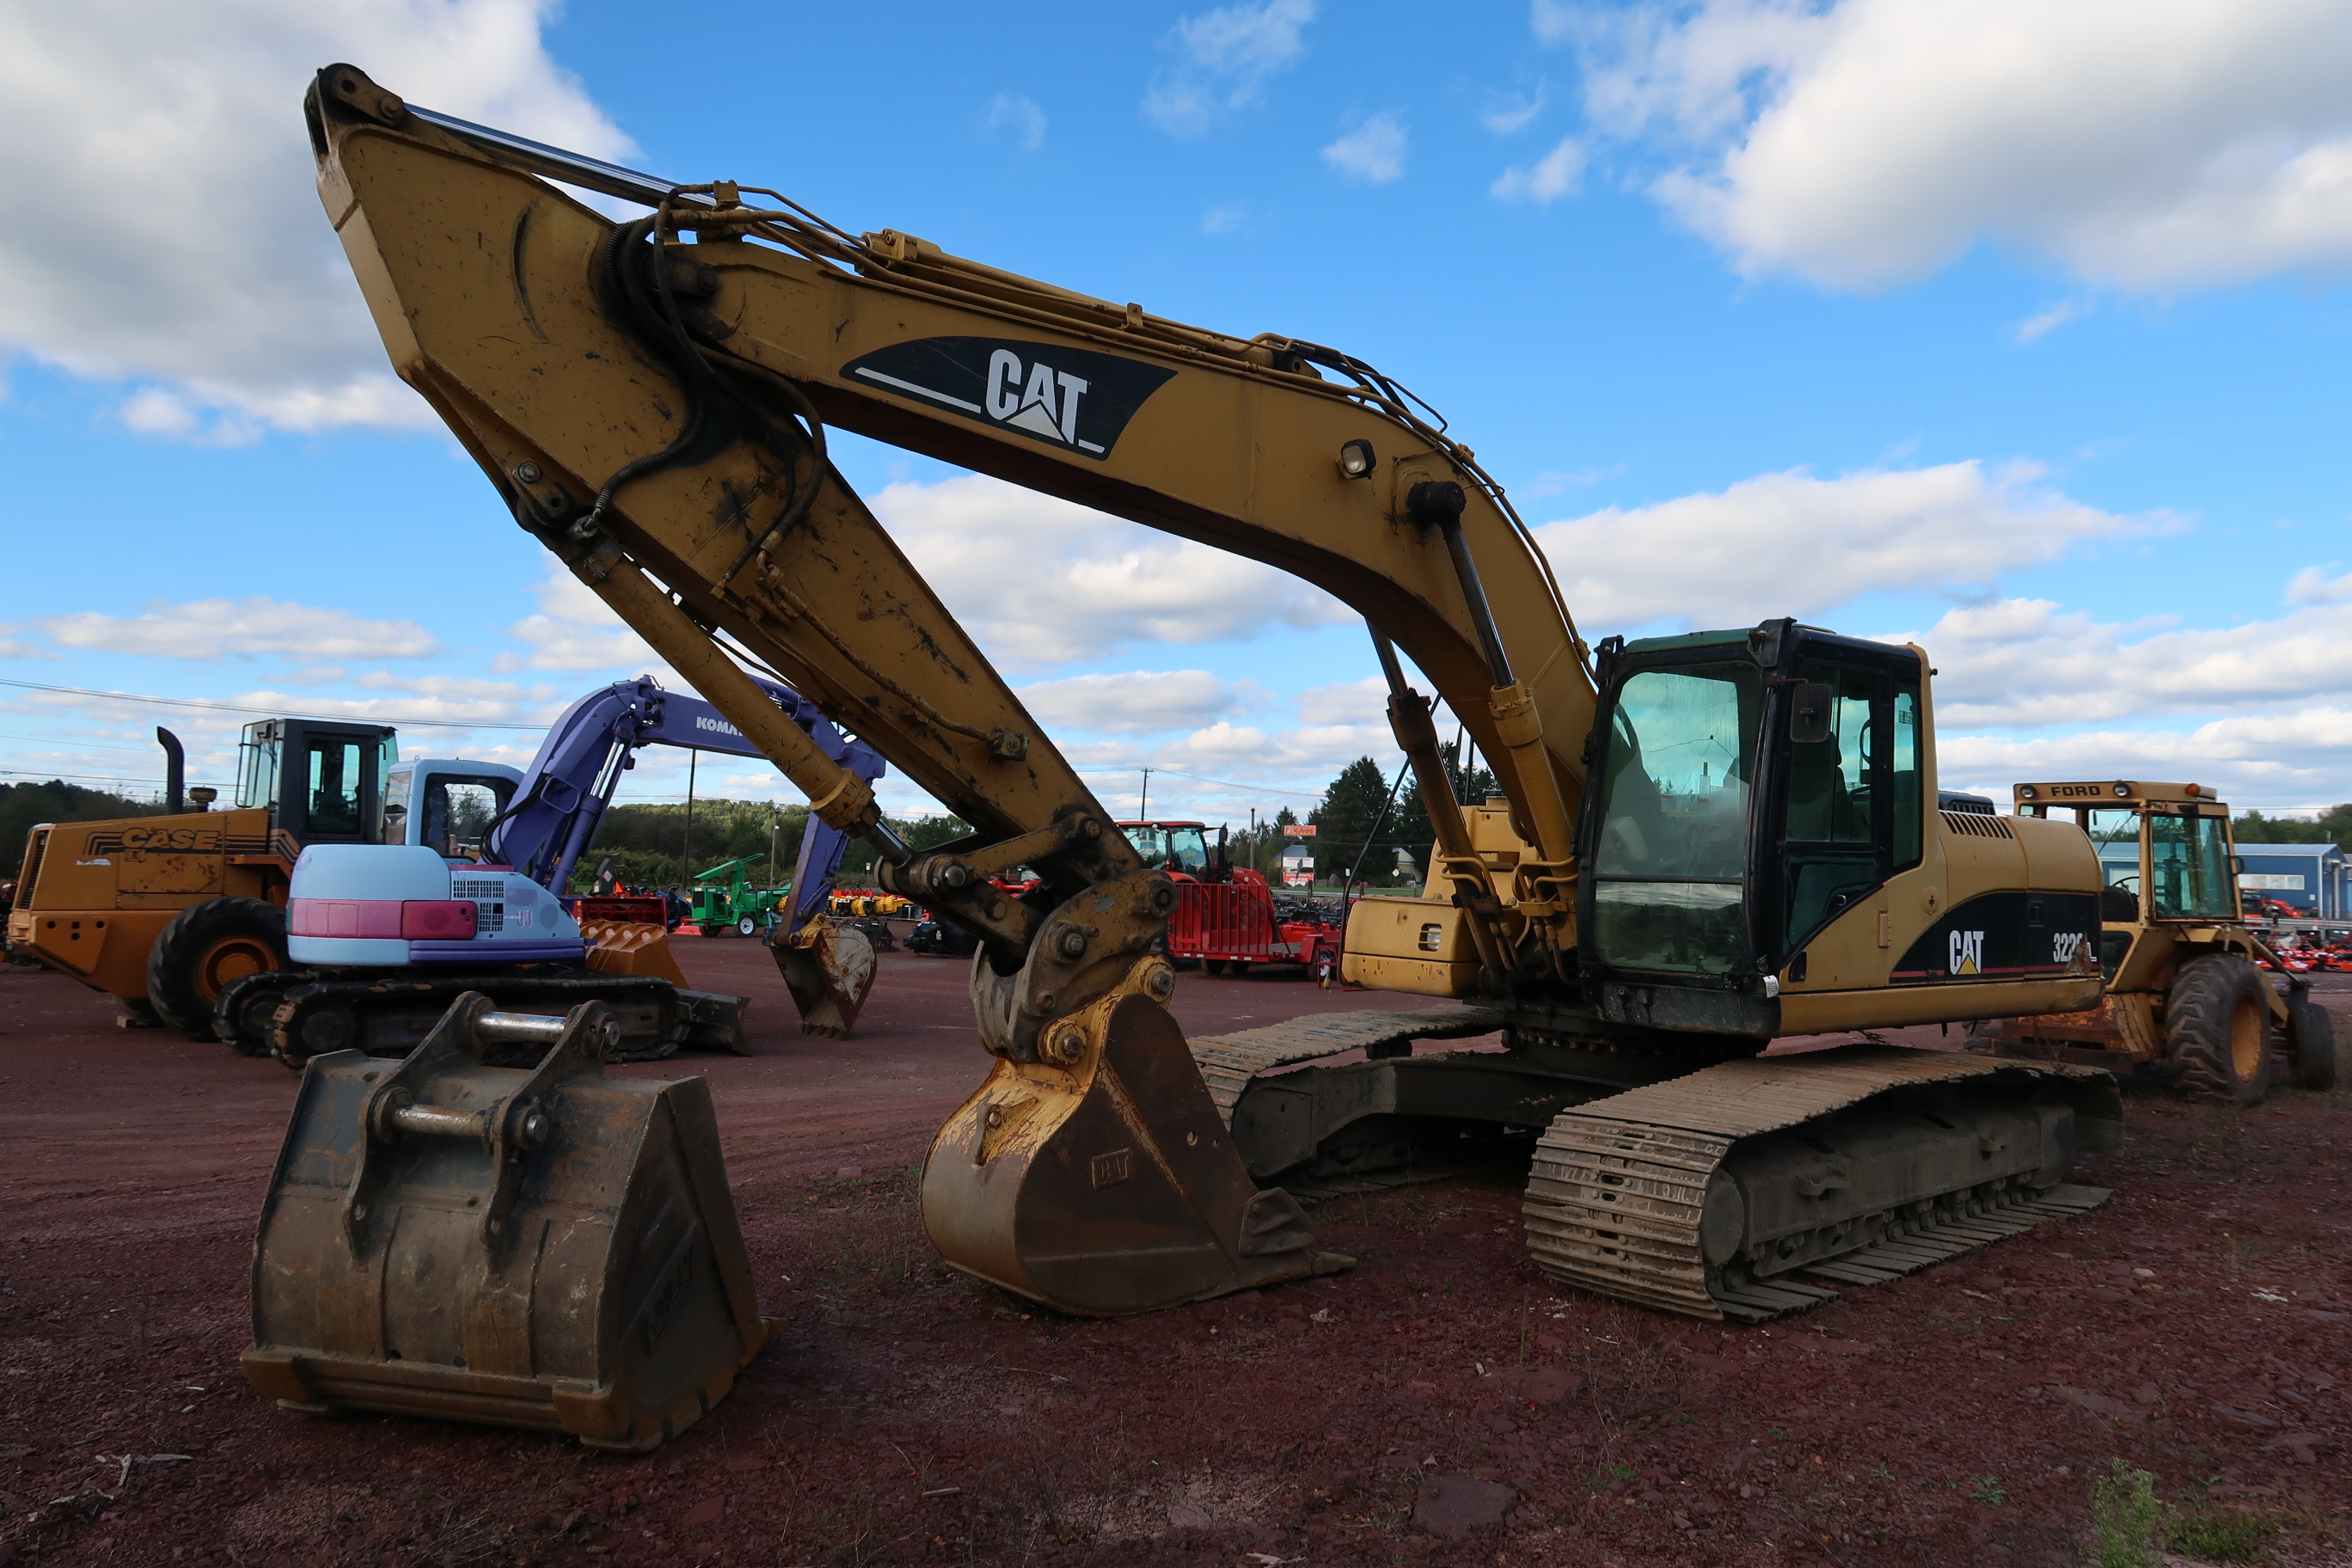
(533, 1245)
(829, 968)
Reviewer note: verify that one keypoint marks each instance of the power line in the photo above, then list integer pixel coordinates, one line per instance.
(274, 712)
(80, 745)
(1203, 778)
(86, 778)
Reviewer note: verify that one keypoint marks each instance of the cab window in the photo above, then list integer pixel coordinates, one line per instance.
(2189, 868)
(458, 811)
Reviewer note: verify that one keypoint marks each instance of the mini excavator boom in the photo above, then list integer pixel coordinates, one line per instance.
(1707, 841)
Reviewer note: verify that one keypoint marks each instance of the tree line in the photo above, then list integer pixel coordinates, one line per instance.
(650, 845)
(1367, 815)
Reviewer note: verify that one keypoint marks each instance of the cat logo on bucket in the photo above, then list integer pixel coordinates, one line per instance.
(1075, 399)
(1967, 952)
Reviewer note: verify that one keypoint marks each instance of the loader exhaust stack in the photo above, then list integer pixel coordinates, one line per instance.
(493, 1231)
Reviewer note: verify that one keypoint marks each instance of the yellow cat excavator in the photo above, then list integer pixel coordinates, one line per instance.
(1704, 842)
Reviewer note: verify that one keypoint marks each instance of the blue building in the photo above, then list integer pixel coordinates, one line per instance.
(2315, 879)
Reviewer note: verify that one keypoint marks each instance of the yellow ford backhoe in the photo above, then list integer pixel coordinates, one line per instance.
(1705, 842)
(2185, 1002)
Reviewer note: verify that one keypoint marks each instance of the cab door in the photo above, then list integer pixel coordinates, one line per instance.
(1846, 796)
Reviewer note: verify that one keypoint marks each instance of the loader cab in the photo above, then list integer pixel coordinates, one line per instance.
(322, 782)
(1745, 787)
(447, 805)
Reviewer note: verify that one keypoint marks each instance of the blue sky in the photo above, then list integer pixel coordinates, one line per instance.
(2016, 329)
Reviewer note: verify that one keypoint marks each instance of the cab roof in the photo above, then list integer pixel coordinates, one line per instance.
(2123, 795)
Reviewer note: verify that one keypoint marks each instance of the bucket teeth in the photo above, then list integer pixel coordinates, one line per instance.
(541, 1247)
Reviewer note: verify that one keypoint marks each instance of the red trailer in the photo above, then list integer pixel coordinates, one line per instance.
(1226, 916)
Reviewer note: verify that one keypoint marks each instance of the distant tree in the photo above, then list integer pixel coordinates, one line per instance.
(1344, 822)
(1470, 788)
(22, 805)
(2332, 826)
(650, 835)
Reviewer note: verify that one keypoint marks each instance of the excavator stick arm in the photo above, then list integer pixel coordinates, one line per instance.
(563, 330)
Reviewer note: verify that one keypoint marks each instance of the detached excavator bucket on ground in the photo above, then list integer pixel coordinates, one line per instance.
(531, 1245)
(829, 970)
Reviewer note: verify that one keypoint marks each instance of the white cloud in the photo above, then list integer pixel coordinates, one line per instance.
(1021, 116)
(1514, 112)
(1140, 702)
(1790, 544)
(1040, 582)
(573, 629)
(2152, 145)
(2294, 763)
(2036, 327)
(2312, 585)
(1224, 219)
(1558, 172)
(15, 646)
(1223, 58)
(1372, 151)
(216, 275)
(2030, 663)
(212, 629)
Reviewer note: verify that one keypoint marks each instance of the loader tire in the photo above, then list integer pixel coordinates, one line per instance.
(2311, 1036)
(2217, 1026)
(203, 951)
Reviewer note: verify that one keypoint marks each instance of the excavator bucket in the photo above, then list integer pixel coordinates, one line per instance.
(1109, 1185)
(829, 970)
(631, 947)
(534, 1246)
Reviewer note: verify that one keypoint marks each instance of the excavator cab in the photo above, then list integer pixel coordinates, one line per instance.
(322, 783)
(1764, 843)
(448, 806)
(1753, 786)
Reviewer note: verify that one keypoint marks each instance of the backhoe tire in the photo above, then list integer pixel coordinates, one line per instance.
(2311, 1036)
(2217, 1029)
(205, 947)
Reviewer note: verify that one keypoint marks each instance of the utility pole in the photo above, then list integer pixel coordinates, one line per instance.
(686, 848)
(1143, 807)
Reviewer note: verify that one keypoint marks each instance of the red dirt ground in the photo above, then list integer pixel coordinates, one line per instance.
(2197, 1326)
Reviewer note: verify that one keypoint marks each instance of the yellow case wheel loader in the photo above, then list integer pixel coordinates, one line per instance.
(2183, 1002)
(1702, 843)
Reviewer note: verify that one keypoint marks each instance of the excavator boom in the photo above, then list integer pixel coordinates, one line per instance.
(1703, 842)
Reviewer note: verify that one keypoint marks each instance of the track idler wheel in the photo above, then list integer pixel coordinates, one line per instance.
(538, 1246)
(1101, 1181)
(829, 968)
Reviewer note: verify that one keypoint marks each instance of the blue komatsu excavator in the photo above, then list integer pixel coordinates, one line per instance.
(463, 893)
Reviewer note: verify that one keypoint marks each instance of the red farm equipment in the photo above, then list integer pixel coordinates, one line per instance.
(1226, 917)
